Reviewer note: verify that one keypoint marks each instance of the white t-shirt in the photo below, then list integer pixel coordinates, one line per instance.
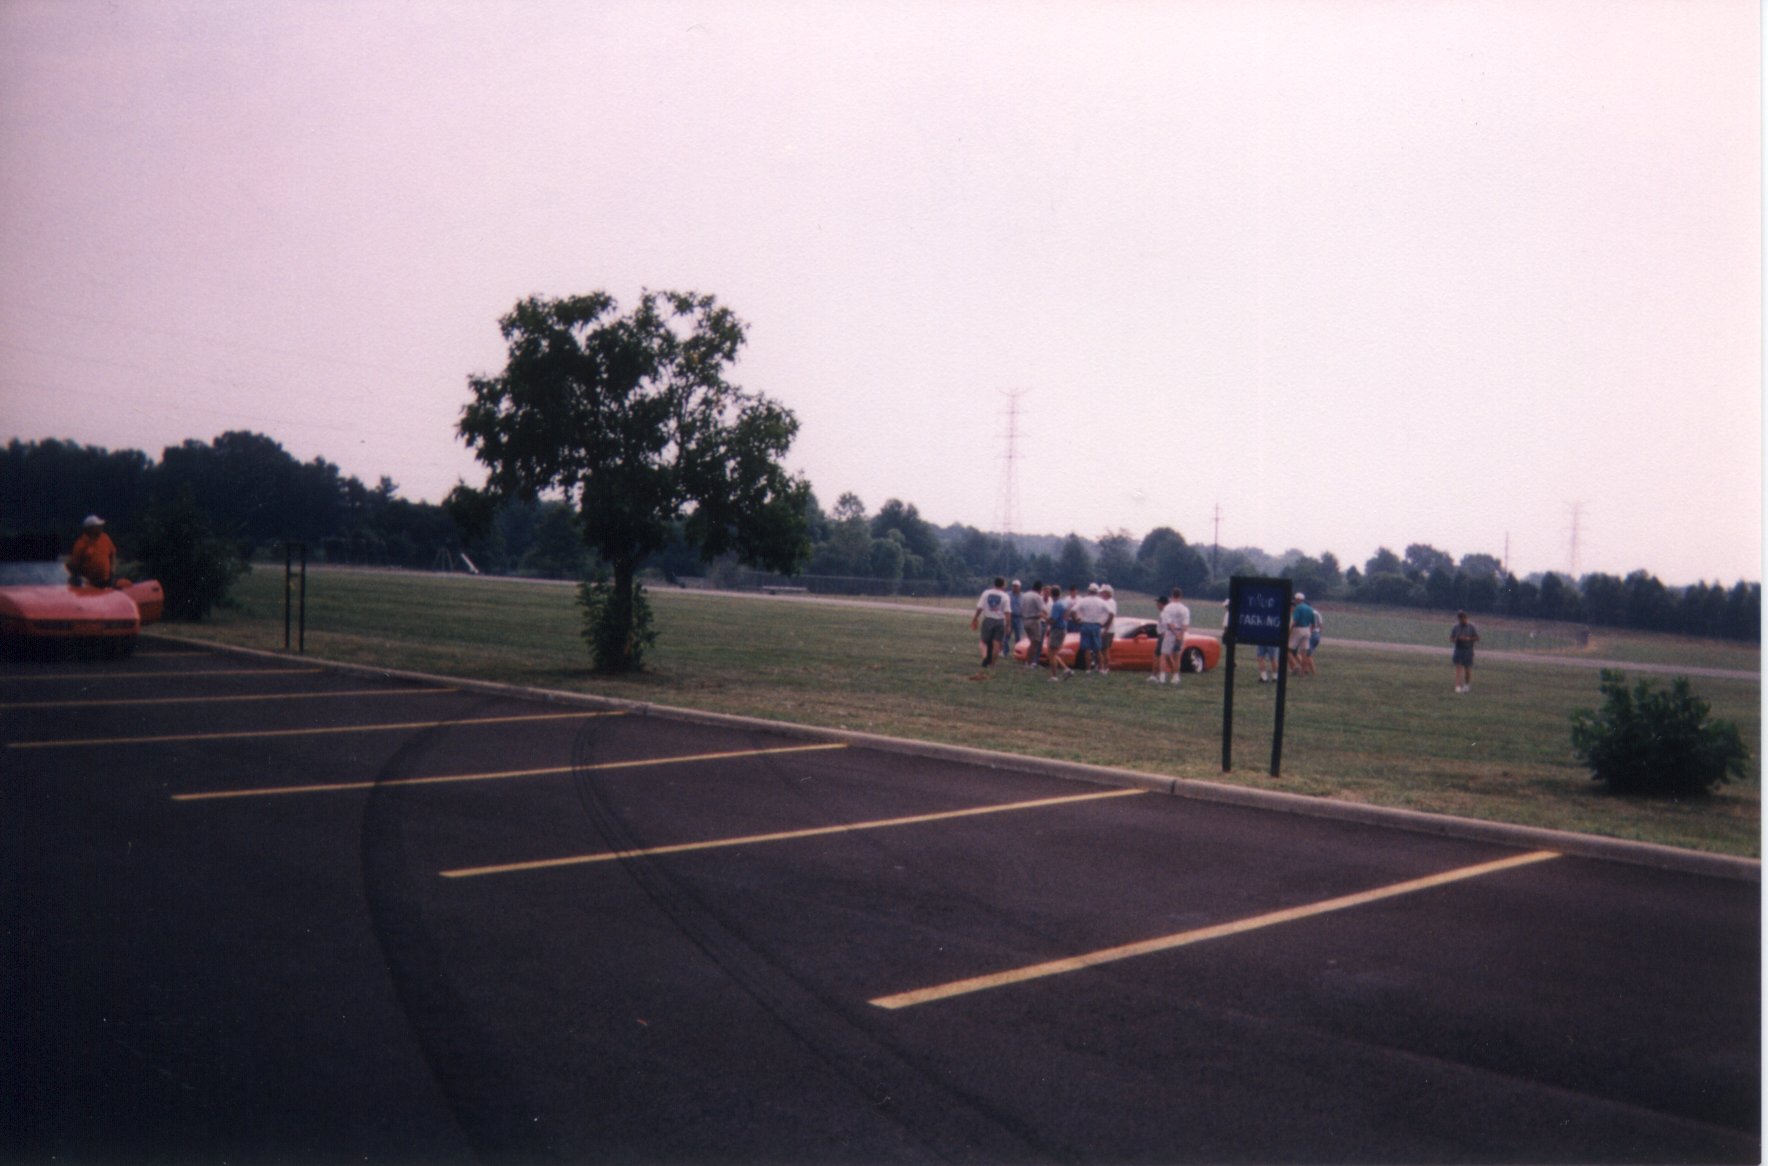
(1175, 617)
(1091, 609)
(1112, 604)
(994, 604)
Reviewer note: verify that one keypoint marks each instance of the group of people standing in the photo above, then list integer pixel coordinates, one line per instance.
(1043, 616)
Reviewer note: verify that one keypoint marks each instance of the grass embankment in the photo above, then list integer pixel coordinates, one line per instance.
(1377, 727)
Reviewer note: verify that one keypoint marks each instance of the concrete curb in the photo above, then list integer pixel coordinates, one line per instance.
(1648, 854)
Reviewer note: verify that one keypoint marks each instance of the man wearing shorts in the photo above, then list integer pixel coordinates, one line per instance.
(1093, 615)
(1301, 632)
(993, 609)
(1175, 621)
(1031, 612)
(1463, 635)
(1058, 633)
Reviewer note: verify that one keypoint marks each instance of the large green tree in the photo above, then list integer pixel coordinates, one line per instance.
(631, 418)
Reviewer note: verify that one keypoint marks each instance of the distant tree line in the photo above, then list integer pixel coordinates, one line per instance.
(254, 492)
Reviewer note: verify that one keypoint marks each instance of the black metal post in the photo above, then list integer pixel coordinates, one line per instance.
(1282, 689)
(288, 586)
(303, 640)
(1228, 701)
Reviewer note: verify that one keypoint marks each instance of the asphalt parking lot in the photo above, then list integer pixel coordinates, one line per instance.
(255, 910)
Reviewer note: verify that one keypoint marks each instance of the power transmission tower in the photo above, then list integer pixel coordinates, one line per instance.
(1007, 508)
(1577, 539)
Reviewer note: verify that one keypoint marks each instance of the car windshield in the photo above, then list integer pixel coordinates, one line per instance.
(19, 574)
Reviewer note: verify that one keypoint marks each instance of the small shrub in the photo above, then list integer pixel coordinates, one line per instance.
(1647, 741)
(196, 568)
(618, 634)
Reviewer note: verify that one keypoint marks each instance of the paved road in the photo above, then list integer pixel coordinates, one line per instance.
(255, 911)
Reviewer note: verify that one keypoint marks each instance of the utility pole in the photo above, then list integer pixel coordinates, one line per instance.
(1007, 510)
(1577, 538)
(1215, 546)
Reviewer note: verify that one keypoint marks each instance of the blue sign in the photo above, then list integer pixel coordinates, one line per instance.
(1259, 610)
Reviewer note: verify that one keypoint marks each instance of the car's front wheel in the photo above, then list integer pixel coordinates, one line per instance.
(1191, 660)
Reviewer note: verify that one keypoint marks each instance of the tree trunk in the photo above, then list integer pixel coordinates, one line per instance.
(622, 610)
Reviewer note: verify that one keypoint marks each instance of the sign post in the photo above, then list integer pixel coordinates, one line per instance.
(1258, 614)
(288, 593)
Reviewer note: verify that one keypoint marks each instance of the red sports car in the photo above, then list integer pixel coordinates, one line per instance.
(39, 606)
(1136, 644)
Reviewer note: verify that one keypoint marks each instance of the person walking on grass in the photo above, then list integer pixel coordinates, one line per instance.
(1015, 600)
(992, 611)
(1301, 631)
(1058, 633)
(1463, 635)
(1031, 612)
(1175, 621)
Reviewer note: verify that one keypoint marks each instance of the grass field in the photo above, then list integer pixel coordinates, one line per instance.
(1379, 727)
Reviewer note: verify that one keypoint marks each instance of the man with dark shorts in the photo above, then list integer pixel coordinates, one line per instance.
(1464, 636)
(992, 613)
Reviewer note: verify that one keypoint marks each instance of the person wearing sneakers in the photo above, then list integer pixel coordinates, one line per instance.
(1105, 633)
(1267, 656)
(1464, 636)
(1301, 634)
(991, 617)
(1058, 632)
(1175, 621)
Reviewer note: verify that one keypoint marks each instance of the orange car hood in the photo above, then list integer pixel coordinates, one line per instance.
(59, 601)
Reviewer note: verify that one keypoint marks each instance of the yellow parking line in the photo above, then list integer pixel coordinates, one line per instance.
(452, 778)
(1183, 938)
(165, 674)
(75, 742)
(158, 700)
(782, 836)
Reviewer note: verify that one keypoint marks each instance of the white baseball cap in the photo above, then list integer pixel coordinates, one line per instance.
(92, 520)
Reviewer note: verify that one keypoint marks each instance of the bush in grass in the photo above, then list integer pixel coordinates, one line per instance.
(617, 630)
(1647, 741)
(195, 567)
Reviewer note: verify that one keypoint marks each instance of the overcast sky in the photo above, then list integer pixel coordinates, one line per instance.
(1358, 274)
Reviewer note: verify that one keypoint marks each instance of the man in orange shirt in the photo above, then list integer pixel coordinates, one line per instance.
(94, 557)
